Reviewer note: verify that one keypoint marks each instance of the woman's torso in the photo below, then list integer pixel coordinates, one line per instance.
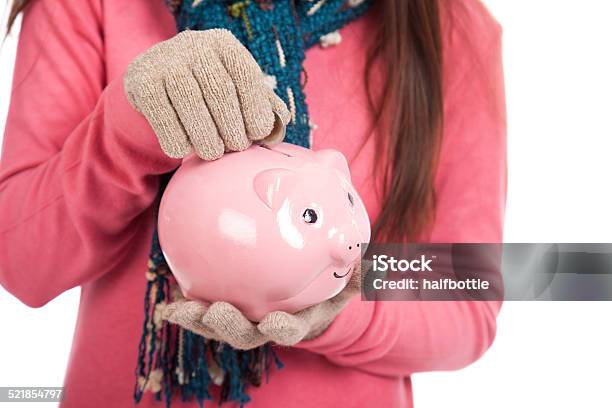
(104, 353)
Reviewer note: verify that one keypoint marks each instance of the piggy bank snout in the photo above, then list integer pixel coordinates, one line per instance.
(346, 245)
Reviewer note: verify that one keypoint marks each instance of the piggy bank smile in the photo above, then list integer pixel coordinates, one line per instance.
(338, 276)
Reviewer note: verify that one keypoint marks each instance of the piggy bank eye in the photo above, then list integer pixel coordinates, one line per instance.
(351, 199)
(310, 216)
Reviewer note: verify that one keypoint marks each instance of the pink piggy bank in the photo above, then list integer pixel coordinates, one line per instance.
(266, 229)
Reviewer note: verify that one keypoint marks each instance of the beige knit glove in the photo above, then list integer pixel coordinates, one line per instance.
(223, 322)
(203, 90)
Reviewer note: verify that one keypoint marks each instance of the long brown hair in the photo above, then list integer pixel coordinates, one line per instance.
(17, 7)
(411, 106)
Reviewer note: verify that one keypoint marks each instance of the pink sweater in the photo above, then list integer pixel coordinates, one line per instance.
(79, 176)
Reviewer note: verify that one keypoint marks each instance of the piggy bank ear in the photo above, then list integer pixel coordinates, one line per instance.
(334, 159)
(269, 184)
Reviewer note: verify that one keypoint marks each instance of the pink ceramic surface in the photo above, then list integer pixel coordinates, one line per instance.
(264, 229)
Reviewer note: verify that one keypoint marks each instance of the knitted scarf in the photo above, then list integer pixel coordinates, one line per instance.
(172, 360)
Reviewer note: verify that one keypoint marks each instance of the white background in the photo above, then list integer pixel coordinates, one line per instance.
(558, 78)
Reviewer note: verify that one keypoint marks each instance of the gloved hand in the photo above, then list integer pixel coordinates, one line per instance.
(203, 90)
(223, 322)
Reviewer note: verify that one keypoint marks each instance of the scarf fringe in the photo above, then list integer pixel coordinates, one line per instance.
(172, 360)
